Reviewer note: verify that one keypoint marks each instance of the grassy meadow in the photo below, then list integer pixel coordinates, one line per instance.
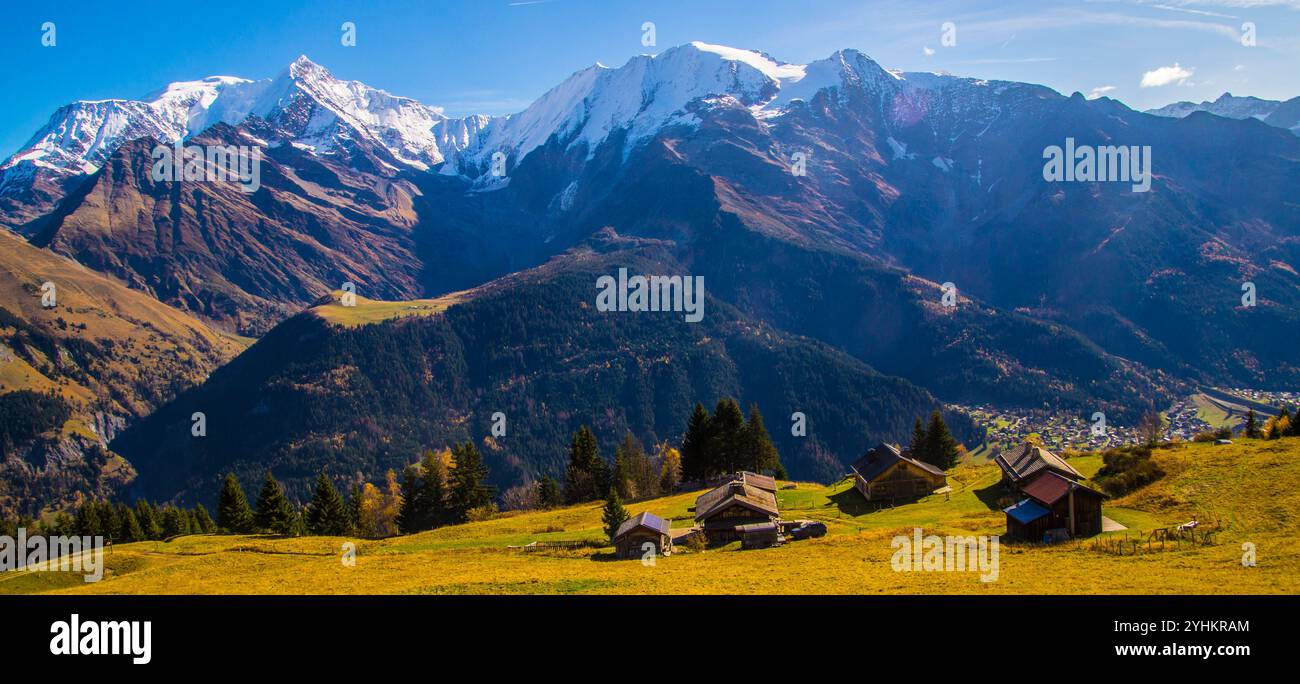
(1249, 488)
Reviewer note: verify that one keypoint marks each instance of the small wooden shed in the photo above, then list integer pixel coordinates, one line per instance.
(759, 535)
(1054, 502)
(642, 529)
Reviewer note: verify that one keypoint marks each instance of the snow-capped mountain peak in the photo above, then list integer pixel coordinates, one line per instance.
(1227, 105)
(305, 101)
(652, 91)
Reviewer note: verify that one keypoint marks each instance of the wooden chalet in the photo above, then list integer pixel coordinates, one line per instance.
(1054, 502)
(885, 473)
(635, 532)
(720, 511)
(1022, 464)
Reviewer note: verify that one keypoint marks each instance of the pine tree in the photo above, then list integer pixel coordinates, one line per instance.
(587, 474)
(434, 481)
(916, 449)
(149, 519)
(940, 446)
(112, 522)
(204, 521)
(468, 483)
(727, 439)
(762, 454)
(327, 514)
(622, 478)
(614, 514)
(131, 530)
(1252, 425)
(695, 445)
(414, 514)
(274, 512)
(233, 513)
(548, 493)
(174, 522)
(355, 503)
(87, 521)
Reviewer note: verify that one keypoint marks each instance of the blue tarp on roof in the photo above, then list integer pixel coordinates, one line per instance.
(1026, 511)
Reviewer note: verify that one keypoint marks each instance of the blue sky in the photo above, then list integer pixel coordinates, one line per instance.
(495, 56)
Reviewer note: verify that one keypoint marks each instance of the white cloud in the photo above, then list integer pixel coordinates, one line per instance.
(928, 51)
(1166, 75)
(1099, 91)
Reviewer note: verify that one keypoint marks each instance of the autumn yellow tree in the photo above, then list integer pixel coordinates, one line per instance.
(378, 508)
(670, 473)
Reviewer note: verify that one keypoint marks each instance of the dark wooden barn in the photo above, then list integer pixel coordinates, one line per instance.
(1053, 502)
(1023, 463)
(721, 510)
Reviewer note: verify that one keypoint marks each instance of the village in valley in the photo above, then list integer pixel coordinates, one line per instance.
(1205, 410)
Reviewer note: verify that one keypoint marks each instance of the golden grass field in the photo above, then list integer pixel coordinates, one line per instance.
(1249, 487)
(368, 311)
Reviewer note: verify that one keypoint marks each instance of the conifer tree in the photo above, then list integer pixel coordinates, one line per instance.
(356, 505)
(274, 512)
(587, 474)
(131, 530)
(414, 514)
(233, 513)
(204, 521)
(622, 478)
(174, 522)
(1252, 425)
(87, 521)
(327, 514)
(112, 522)
(916, 449)
(468, 482)
(434, 481)
(149, 520)
(761, 454)
(940, 446)
(614, 513)
(548, 493)
(695, 445)
(727, 438)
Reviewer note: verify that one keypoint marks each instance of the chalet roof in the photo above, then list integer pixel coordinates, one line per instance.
(1026, 511)
(880, 458)
(754, 528)
(737, 492)
(650, 521)
(1049, 487)
(1022, 461)
(763, 482)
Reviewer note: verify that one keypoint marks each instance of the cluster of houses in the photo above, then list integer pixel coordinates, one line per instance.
(743, 508)
(1054, 503)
